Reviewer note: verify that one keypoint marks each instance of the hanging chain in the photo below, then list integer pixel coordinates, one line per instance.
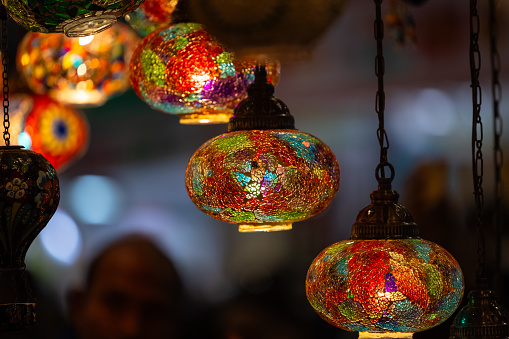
(383, 141)
(5, 64)
(496, 90)
(477, 138)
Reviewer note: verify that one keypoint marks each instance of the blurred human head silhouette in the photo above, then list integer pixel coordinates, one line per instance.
(132, 290)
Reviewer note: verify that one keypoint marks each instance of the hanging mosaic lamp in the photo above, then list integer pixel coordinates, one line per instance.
(29, 196)
(263, 174)
(385, 281)
(483, 317)
(151, 14)
(181, 69)
(284, 29)
(75, 18)
(58, 131)
(83, 71)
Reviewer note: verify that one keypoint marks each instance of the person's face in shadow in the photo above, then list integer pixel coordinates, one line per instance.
(132, 293)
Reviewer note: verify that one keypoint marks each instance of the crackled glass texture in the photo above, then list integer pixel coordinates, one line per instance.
(262, 180)
(181, 69)
(405, 285)
(73, 17)
(80, 71)
(151, 14)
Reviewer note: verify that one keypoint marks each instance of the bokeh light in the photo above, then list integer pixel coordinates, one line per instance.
(95, 199)
(62, 238)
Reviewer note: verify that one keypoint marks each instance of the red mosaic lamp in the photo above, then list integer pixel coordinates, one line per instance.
(183, 70)
(262, 174)
(57, 131)
(29, 196)
(385, 281)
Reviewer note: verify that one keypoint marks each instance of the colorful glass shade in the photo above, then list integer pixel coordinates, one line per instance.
(151, 14)
(81, 71)
(263, 180)
(285, 29)
(74, 18)
(183, 70)
(57, 131)
(29, 196)
(404, 285)
(385, 280)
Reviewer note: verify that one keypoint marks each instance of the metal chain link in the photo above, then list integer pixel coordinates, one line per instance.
(477, 137)
(5, 64)
(496, 90)
(383, 181)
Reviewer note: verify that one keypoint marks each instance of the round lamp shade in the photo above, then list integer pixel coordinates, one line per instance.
(81, 71)
(74, 18)
(183, 70)
(398, 286)
(263, 180)
(57, 131)
(151, 14)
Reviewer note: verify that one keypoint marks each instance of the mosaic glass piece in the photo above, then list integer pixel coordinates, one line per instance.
(57, 131)
(151, 14)
(81, 71)
(263, 180)
(402, 286)
(75, 18)
(183, 70)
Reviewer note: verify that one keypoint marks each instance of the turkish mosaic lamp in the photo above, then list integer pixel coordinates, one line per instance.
(182, 70)
(75, 18)
(79, 71)
(151, 14)
(262, 174)
(57, 131)
(385, 281)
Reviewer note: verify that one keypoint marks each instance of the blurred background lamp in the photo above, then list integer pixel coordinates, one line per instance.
(58, 131)
(181, 69)
(151, 14)
(81, 71)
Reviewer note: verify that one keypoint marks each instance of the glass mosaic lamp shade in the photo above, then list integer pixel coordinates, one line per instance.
(181, 69)
(75, 18)
(284, 29)
(151, 14)
(385, 281)
(80, 71)
(29, 196)
(263, 174)
(481, 318)
(58, 131)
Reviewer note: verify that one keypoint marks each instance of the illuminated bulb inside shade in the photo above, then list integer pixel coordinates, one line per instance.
(86, 40)
(384, 335)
